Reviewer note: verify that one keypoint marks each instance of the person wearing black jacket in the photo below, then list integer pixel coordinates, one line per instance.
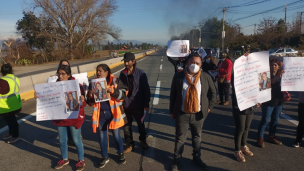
(179, 65)
(242, 120)
(137, 101)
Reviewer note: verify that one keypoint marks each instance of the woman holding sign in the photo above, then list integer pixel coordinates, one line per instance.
(242, 120)
(224, 78)
(273, 107)
(109, 114)
(74, 125)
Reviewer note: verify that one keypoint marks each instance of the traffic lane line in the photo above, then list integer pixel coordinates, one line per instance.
(161, 67)
(34, 113)
(156, 94)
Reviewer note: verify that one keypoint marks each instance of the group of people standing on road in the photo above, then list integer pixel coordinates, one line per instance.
(130, 97)
(193, 95)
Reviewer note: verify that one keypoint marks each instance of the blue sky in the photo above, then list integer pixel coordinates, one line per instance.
(150, 21)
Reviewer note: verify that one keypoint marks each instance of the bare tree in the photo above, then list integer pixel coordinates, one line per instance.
(78, 21)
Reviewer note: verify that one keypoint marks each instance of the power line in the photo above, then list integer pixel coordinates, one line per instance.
(273, 9)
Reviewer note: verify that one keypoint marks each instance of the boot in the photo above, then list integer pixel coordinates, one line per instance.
(260, 142)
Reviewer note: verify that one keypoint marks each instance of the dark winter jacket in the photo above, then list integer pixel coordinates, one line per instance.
(140, 95)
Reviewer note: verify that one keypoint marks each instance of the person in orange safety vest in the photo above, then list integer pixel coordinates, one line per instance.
(109, 114)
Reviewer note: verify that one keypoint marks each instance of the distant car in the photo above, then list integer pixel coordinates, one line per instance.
(211, 51)
(282, 51)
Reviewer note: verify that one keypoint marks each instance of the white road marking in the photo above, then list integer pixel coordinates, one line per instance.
(283, 115)
(19, 122)
(161, 67)
(161, 60)
(156, 95)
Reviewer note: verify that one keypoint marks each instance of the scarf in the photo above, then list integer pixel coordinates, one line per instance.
(191, 100)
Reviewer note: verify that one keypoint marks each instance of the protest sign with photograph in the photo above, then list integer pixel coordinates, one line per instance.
(99, 87)
(52, 102)
(71, 101)
(252, 79)
(201, 51)
(178, 48)
(293, 78)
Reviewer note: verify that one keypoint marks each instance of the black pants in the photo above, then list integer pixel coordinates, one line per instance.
(242, 120)
(223, 89)
(181, 130)
(137, 114)
(12, 124)
(300, 128)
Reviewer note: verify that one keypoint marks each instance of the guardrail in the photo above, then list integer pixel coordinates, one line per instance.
(27, 83)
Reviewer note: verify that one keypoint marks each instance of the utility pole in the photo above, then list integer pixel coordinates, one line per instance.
(223, 33)
(301, 23)
(194, 35)
(200, 38)
(254, 29)
(285, 17)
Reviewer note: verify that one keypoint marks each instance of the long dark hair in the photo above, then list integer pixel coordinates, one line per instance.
(106, 68)
(66, 69)
(63, 61)
(277, 61)
(6, 69)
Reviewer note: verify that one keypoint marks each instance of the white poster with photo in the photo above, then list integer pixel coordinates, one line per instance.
(99, 87)
(57, 100)
(201, 51)
(252, 80)
(293, 78)
(83, 79)
(178, 48)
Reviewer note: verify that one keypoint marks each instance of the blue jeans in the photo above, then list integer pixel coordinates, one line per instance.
(63, 139)
(104, 120)
(267, 112)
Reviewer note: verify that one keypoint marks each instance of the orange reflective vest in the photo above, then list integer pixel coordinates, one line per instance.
(119, 116)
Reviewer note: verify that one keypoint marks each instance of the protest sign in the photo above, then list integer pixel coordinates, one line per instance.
(213, 73)
(99, 87)
(52, 79)
(53, 102)
(293, 78)
(83, 79)
(178, 48)
(252, 82)
(201, 51)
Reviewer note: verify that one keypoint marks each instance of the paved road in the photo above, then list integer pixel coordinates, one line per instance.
(39, 148)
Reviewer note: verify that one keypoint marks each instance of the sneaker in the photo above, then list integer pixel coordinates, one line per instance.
(260, 142)
(128, 149)
(226, 103)
(239, 156)
(200, 163)
(122, 159)
(12, 140)
(144, 144)
(80, 165)
(62, 163)
(296, 144)
(246, 151)
(8, 136)
(273, 139)
(219, 102)
(103, 162)
(175, 165)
